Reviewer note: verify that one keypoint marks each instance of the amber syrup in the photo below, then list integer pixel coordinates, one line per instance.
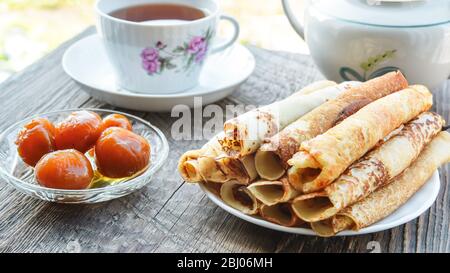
(101, 181)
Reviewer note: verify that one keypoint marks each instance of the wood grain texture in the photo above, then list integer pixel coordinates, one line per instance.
(169, 215)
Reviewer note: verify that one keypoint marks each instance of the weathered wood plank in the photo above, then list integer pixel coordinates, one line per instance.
(169, 215)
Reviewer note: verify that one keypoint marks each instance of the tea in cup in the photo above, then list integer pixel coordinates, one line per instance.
(159, 47)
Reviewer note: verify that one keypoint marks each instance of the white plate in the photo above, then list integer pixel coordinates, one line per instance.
(86, 62)
(418, 204)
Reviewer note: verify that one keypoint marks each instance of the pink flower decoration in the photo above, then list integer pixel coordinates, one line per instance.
(198, 46)
(200, 55)
(151, 67)
(150, 60)
(150, 54)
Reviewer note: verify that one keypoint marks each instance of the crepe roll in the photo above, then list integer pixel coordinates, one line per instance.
(245, 133)
(389, 198)
(188, 165)
(371, 172)
(280, 214)
(325, 157)
(210, 163)
(224, 168)
(331, 226)
(272, 192)
(239, 197)
(268, 165)
(281, 147)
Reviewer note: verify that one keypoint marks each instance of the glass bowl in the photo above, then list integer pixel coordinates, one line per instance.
(21, 176)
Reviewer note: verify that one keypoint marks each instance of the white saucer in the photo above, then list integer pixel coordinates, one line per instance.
(413, 208)
(86, 62)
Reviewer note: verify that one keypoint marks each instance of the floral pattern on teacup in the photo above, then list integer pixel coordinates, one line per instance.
(198, 48)
(156, 59)
(350, 74)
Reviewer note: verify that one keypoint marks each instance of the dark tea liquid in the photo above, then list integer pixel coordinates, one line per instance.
(151, 12)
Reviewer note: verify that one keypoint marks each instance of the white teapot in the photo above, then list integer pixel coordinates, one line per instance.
(363, 39)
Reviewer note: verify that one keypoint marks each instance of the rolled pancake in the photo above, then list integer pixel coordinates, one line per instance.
(188, 166)
(239, 197)
(210, 163)
(225, 168)
(268, 165)
(389, 198)
(280, 214)
(331, 226)
(272, 192)
(281, 147)
(245, 133)
(322, 159)
(373, 171)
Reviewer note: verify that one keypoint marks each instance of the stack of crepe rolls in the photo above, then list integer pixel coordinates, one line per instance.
(371, 172)
(271, 158)
(389, 198)
(212, 163)
(330, 167)
(245, 133)
(325, 157)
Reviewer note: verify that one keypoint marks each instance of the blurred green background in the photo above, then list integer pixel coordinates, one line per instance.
(31, 28)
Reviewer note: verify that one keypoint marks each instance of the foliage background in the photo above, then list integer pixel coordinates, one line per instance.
(31, 28)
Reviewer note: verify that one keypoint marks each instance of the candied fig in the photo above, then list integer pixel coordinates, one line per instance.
(116, 120)
(80, 130)
(36, 139)
(64, 169)
(121, 153)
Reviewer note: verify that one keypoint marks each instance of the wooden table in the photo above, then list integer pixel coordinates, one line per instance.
(169, 215)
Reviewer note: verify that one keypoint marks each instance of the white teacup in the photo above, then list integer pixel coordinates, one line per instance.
(160, 56)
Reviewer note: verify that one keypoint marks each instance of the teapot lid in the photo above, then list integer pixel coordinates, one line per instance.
(388, 13)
